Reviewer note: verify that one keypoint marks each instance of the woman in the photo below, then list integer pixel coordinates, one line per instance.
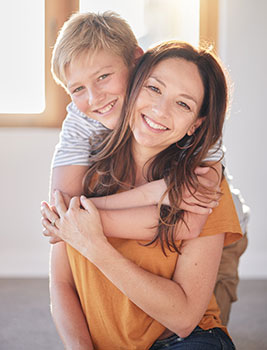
(138, 295)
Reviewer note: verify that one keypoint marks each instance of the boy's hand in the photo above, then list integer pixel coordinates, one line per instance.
(192, 201)
(197, 203)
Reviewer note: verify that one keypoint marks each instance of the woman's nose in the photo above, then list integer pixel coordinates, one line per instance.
(160, 109)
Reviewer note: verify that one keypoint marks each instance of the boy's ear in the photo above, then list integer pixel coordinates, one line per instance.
(196, 125)
(138, 53)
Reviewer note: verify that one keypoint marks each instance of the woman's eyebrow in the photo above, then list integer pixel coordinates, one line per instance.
(189, 97)
(182, 95)
(158, 80)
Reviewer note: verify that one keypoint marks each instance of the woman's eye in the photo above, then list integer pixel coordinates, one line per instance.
(153, 88)
(184, 105)
(77, 89)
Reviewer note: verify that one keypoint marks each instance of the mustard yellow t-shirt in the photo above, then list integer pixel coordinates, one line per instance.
(115, 322)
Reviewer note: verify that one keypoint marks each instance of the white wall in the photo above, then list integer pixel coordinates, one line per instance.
(243, 49)
(25, 154)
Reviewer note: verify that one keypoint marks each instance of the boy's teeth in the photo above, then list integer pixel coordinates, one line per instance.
(153, 125)
(107, 108)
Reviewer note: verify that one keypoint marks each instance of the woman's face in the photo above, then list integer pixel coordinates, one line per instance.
(168, 105)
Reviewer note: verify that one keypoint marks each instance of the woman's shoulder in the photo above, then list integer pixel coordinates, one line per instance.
(224, 218)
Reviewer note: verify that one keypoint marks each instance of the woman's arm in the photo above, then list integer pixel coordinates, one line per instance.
(65, 305)
(139, 222)
(135, 223)
(178, 304)
(67, 179)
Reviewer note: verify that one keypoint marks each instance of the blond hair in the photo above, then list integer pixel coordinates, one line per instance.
(83, 32)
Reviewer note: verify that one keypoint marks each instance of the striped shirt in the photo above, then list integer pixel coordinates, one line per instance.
(74, 140)
(77, 129)
(74, 149)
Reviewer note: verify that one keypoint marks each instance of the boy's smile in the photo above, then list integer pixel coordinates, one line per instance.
(97, 84)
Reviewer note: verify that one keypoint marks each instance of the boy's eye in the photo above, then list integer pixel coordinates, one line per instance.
(103, 76)
(184, 105)
(77, 89)
(153, 88)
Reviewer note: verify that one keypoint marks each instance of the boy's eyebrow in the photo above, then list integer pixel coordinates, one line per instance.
(95, 73)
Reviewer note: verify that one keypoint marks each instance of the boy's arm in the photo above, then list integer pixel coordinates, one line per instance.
(65, 305)
(136, 223)
(151, 194)
(68, 179)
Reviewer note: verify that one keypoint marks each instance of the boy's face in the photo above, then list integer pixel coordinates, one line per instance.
(97, 84)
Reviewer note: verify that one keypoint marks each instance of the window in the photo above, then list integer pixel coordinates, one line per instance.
(36, 24)
(36, 100)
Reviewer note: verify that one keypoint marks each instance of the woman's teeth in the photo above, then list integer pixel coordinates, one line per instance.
(153, 125)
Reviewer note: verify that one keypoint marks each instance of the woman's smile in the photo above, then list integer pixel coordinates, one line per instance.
(153, 125)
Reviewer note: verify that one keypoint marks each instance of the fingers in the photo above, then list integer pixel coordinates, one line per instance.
(200, 170)
(48, 213)
(53, 239)
(199, 208)
(66, 198)
(87, 204)
(59, 203)
(75, 203)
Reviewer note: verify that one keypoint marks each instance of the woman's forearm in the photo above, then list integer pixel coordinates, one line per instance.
(65, 305)
(69, 318)
(178, 305)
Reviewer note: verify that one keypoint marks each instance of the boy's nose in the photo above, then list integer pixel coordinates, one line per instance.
(94, 96)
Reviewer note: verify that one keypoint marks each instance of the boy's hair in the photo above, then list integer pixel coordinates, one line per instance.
(83, 32)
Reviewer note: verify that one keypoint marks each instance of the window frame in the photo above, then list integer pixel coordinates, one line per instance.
(209, 22)
(56, 13)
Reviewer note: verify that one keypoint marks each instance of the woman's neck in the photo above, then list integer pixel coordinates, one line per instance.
(142, 157)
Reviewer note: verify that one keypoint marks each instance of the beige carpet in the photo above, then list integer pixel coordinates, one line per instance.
(26, 324)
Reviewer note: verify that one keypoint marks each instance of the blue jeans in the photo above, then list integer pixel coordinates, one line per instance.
(199, 339)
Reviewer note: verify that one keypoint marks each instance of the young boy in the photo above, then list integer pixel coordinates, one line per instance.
(92, 59)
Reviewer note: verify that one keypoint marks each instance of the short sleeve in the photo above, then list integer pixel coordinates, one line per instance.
(74, 146)
(215, 153)
(223, 218)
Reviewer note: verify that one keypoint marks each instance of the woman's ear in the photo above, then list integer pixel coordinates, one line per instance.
(196, 125)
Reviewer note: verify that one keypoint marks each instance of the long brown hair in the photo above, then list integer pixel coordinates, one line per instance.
(114, 163)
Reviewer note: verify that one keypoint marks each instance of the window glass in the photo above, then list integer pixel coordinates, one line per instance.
(22, 87)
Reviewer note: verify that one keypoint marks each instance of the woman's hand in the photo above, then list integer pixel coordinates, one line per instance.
(49, 212)
(79, 225)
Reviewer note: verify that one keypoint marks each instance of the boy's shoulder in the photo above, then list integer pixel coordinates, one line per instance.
(75, 113)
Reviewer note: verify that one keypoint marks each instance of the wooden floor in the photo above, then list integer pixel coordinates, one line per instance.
(26, 324)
